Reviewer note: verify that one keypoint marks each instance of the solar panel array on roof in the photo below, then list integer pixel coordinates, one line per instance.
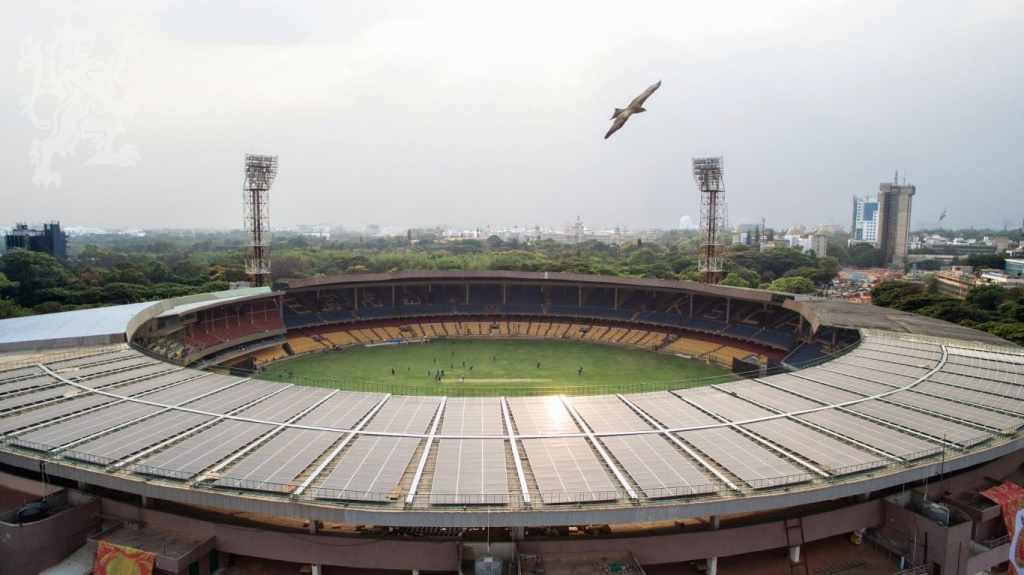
(23, 383)
(991, 400)
(907, 370)
(103, 381)
(54, 411)
(120, 365)
(137, 388)
(470, 471)
(342, 410)
(76, 428)
(472, 416)
(541, 416)
(983, 385)
(230, 399)
(976, 415)
(728, 406)
(128, 440)
(607, 413)
(864, 373)
(817, 391)
(184, 460)
(19, 372)
(830, 454)
(879, 342)
(275, 464)
(404, 414)
(372, 466)
(848, 383)
(765, 395)
(954, 351)
(985, 371)
(567, 470)
(657, 466)
(921, 422)
(181, 393)
(94, 358)
(887, 439)
(285, 405)
(370, 469)
(890, 358)
(109, 417)
(754, 464)
(671, 411)
(20, 400)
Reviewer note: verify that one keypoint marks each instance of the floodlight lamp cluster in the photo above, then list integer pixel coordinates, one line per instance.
(260, 171)
(707, 172)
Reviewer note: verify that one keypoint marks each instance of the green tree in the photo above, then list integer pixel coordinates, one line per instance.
(986, 296)
(780, 260)
(189, 272)
(798, 285)
(33, 271)
(7, 287)
(886, 294)
(1013, 310)
(9, 309)
(866, 256)
(1009, 331)
(986, 261)
(734, 279)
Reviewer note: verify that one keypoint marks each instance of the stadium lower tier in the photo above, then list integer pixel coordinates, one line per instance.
(708, 347)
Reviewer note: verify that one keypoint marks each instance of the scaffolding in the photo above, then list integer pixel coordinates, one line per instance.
(707, 172)
(260, 172)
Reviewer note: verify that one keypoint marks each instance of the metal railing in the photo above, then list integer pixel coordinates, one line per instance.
(48, 357)
(512, 500)
(457, 389)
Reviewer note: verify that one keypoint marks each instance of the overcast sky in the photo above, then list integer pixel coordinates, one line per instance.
(469, 113)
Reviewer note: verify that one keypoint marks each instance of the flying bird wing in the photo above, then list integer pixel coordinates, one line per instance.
(639, 100)
(619, 122)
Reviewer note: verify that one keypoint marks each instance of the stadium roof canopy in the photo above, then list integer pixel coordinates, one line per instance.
(104, 325)
(98, 326)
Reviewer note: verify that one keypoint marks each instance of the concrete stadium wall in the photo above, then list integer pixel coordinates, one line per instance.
(355, 552)
(674, 548)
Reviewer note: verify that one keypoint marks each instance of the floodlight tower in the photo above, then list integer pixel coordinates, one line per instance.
(707, 172)
(260, 172)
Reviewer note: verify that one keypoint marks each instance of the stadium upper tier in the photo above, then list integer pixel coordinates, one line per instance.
(898, 407)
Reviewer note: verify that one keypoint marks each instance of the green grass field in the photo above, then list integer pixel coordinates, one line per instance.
(497, 367)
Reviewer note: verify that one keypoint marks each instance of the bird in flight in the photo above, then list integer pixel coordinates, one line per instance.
(635, 107)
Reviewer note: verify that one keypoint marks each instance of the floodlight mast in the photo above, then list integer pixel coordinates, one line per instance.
(260, 172)
(707, 172)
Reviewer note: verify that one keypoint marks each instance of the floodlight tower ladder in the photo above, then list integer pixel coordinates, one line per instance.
(260, 172)
(707, 172)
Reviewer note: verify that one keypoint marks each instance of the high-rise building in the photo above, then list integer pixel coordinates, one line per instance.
(50, 240)
(894, 203)
(865, 219)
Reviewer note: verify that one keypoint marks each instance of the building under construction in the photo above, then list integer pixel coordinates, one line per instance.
(894, 203)
(50, 240)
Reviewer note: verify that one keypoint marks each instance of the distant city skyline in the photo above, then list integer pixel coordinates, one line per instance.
(459, 112)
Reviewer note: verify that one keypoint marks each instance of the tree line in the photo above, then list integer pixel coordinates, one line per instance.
(114, 269)
(987, 307)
